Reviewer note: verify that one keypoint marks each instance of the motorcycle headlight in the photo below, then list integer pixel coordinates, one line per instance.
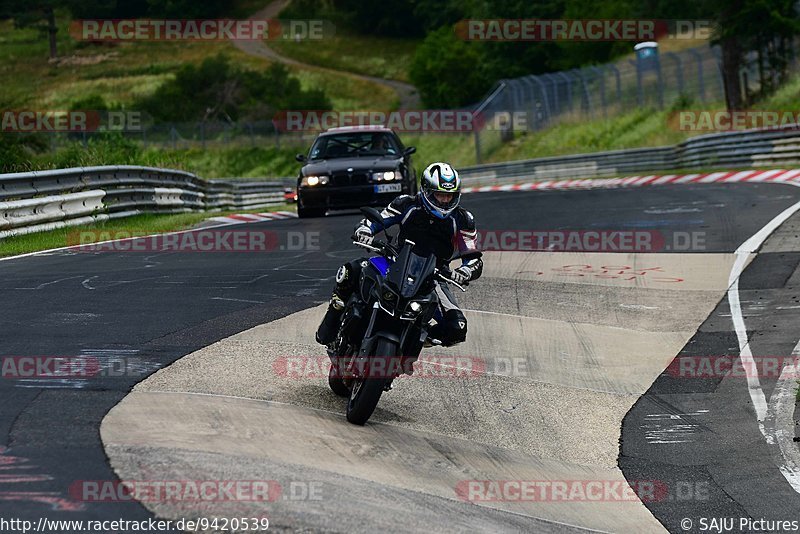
(412, 310)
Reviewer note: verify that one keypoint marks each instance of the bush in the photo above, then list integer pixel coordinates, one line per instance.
(16, 151)
(215, 90)
(106, 148)
(90, 102)
(447, 71)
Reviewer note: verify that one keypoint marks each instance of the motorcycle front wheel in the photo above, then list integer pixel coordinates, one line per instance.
(367, 391)
(336, 383)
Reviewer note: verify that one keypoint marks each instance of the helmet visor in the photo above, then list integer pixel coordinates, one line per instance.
(444, 200)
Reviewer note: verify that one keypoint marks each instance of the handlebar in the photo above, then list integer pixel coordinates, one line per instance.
(381, 247)
(449, 280)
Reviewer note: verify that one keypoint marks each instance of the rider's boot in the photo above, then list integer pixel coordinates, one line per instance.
(326, 333)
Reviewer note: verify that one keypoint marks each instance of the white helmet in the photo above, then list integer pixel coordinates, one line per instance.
(441, 189)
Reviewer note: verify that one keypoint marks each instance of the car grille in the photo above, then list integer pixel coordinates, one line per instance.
(345, 178)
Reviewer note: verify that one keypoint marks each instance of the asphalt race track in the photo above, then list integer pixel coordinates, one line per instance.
(573, 348)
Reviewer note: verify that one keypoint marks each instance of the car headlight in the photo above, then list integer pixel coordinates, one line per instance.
(313, 180)
(415, 307)
(384, 176)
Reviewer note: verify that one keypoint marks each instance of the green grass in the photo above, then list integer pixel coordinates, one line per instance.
(346, 92)
(374, 56)
(264, 161)
(257, 162)
(145, 224)
(123, 72)
(457, 149)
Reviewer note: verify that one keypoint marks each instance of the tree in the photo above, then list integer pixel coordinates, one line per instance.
(39, 14)
(447, 70)
(215, 90)
(761, 26)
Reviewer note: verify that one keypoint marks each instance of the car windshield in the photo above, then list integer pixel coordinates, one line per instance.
(347, 145)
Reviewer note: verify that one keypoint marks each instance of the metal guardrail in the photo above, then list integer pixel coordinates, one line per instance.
(46, 200)
(741, 149)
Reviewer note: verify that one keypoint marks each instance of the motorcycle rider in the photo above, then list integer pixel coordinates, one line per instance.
(431, 219)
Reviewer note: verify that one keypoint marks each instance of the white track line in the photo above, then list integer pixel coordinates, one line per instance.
(779, 424)
(757, 396)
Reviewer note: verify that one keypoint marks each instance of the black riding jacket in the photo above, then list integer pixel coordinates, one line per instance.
(452, 237)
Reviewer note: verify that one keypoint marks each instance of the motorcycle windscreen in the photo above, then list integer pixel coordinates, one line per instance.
(411, 271)
(381, 263)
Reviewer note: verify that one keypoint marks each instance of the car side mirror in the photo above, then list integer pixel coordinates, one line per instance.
(410, 150)
(300, 157)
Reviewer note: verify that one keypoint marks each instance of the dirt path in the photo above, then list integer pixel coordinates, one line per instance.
(406, 93)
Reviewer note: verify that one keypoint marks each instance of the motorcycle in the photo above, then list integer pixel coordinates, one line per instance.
(386, 321)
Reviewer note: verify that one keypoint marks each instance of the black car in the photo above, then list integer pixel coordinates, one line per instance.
(350, 167)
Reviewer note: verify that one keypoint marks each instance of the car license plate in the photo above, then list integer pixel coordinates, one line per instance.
(388, 188)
